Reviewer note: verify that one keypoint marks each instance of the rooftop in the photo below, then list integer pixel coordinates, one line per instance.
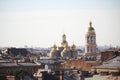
(111, 64)
(12, 64)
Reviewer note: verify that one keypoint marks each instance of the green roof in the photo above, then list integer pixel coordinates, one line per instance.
(90, 29)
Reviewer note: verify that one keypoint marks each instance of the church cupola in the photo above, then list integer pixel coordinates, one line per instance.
(54, 47)
(73, 47)
(90, 28)
(64, 42)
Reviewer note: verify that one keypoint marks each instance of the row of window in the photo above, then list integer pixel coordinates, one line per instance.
(91, 39)
(91, 49)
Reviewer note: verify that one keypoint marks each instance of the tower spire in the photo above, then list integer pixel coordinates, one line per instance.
(90, 24)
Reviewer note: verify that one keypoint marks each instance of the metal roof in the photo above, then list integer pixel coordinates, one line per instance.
(111, 64)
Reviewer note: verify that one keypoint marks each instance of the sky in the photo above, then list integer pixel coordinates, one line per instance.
(41, 23)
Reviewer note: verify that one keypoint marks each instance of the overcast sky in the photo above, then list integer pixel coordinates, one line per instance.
(41, 23)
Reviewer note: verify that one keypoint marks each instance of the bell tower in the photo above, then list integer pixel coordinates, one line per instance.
(90, 38)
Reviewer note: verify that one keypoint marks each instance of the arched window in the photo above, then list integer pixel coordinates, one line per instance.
(91, 39)
(87, 38)
(87, 48)
(91, 49)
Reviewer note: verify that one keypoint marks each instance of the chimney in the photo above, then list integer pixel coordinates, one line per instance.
(16, 62)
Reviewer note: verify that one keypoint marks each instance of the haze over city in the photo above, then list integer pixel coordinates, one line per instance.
(42, 23)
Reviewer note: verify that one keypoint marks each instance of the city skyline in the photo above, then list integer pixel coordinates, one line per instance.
(41, 23)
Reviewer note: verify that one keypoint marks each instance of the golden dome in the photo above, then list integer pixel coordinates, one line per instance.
(64, 42)
(54, 47)
(73, 47)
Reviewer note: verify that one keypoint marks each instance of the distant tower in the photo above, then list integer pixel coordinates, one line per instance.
(90, 47)
(64, 42)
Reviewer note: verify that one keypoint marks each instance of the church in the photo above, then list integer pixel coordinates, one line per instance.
(64, 51)
(67, 52)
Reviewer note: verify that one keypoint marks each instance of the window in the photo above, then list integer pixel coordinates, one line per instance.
(91, 49)
(88, 49)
